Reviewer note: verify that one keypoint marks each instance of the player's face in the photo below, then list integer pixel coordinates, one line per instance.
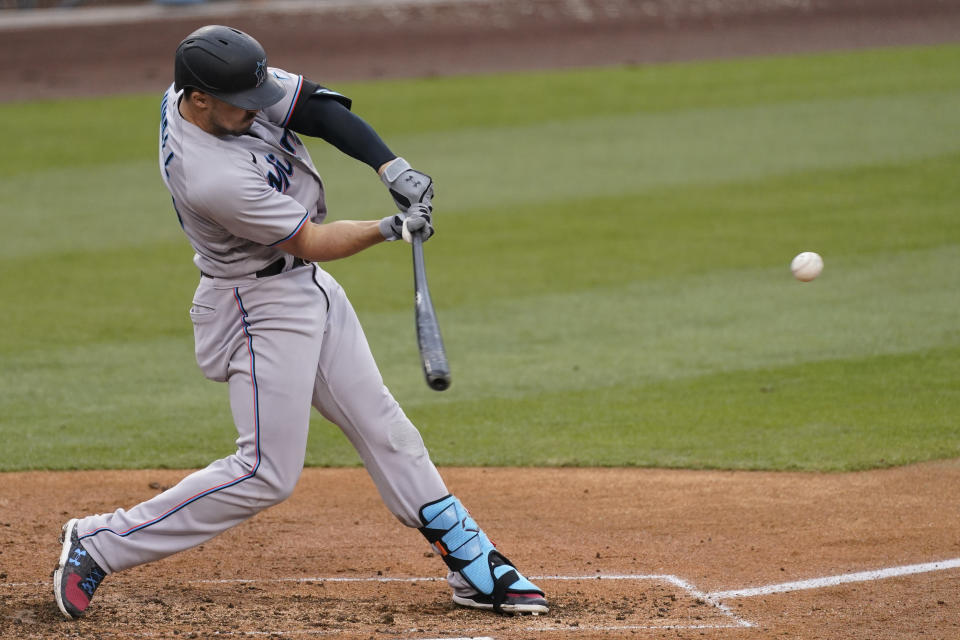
(226, 119)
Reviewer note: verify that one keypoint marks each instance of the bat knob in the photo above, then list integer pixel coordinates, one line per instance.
(439, 382)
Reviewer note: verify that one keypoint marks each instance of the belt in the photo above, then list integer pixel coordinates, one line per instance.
(274, 268)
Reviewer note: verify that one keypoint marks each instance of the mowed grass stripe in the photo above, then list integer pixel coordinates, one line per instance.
(834, 415)
(506, 167)
(141, 292)
(627, 338)
(727, 320)
(577, 245)
(110, 130)
(492, 101)
(660, 328)
(633, 153)
(128, 404)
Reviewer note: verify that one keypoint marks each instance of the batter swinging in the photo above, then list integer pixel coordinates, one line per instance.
(277, 328)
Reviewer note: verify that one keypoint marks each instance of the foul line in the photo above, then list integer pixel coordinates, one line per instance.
(831, 581)
(713, 598)
(734, 620)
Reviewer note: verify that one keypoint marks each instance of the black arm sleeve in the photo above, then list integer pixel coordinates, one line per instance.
(327, 115)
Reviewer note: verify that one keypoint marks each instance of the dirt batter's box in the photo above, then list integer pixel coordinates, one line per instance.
(402, 606)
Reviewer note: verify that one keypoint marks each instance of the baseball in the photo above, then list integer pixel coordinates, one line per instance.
(806, 266)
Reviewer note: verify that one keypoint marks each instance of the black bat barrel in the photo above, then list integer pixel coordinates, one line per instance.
(432, 353)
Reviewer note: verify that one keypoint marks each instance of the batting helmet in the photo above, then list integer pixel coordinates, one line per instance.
(229, 65)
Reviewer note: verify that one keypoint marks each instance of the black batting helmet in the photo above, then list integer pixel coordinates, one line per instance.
(229, 65)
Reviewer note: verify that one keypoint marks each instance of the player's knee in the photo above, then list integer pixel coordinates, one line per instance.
(278, 486)
(405, 439)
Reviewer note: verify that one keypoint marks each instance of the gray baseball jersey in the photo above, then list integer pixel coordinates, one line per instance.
(274, 186)
(283, 341)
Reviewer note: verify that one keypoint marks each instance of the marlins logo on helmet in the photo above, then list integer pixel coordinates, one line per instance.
(261, 71)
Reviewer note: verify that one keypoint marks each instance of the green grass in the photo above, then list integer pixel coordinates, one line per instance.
(610, 270)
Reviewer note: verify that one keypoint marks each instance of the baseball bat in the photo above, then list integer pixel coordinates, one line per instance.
(432, 354)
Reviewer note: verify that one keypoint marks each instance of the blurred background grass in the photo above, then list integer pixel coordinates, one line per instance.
(610, 270)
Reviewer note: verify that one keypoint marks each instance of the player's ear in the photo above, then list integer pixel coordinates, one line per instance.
(199, 99)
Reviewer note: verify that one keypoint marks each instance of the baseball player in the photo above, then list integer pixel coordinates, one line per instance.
(277, 328)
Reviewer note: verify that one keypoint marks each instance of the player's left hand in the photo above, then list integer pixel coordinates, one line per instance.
(407, 185)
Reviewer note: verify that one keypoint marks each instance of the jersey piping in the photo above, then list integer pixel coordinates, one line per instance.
(245, 323)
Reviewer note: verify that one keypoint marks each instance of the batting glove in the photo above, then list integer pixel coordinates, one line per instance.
(417, 221)
(407, 186)
(403, 225)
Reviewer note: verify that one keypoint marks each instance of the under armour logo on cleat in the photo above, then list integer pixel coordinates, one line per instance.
(78, 555)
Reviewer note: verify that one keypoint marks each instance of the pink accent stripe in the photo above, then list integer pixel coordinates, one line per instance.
(229, 482)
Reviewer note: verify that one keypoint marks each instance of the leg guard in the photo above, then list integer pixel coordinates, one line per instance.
(494, 583)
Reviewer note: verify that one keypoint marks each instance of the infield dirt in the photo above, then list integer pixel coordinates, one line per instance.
(691, 532)
(640, 550)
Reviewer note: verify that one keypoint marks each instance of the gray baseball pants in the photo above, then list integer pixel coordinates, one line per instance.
(282, 344)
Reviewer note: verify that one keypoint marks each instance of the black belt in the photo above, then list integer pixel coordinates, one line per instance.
(272, 269)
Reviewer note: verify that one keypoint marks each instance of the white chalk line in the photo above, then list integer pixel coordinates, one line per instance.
(315, 579)
(412, 633)
(699, 595)
(832, 581)
(692, 592)
(670, 579)
(714, 598)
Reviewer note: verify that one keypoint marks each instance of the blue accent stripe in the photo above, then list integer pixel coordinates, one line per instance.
(300, 224)
(166, 163)
(179, 218)
(245, 323)
(296, 98)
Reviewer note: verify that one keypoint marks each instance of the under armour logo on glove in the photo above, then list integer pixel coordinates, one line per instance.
(407, 186)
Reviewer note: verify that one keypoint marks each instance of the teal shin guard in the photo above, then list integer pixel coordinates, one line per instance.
(467, 551)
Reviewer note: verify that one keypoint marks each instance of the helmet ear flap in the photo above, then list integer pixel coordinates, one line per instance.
(182, 77)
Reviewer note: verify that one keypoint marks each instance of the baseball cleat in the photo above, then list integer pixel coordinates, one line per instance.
(481, 576)
(512, 593)
(77, 575)
(520, 603)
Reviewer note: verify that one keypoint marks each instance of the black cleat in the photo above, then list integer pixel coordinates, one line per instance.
(77, 575)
